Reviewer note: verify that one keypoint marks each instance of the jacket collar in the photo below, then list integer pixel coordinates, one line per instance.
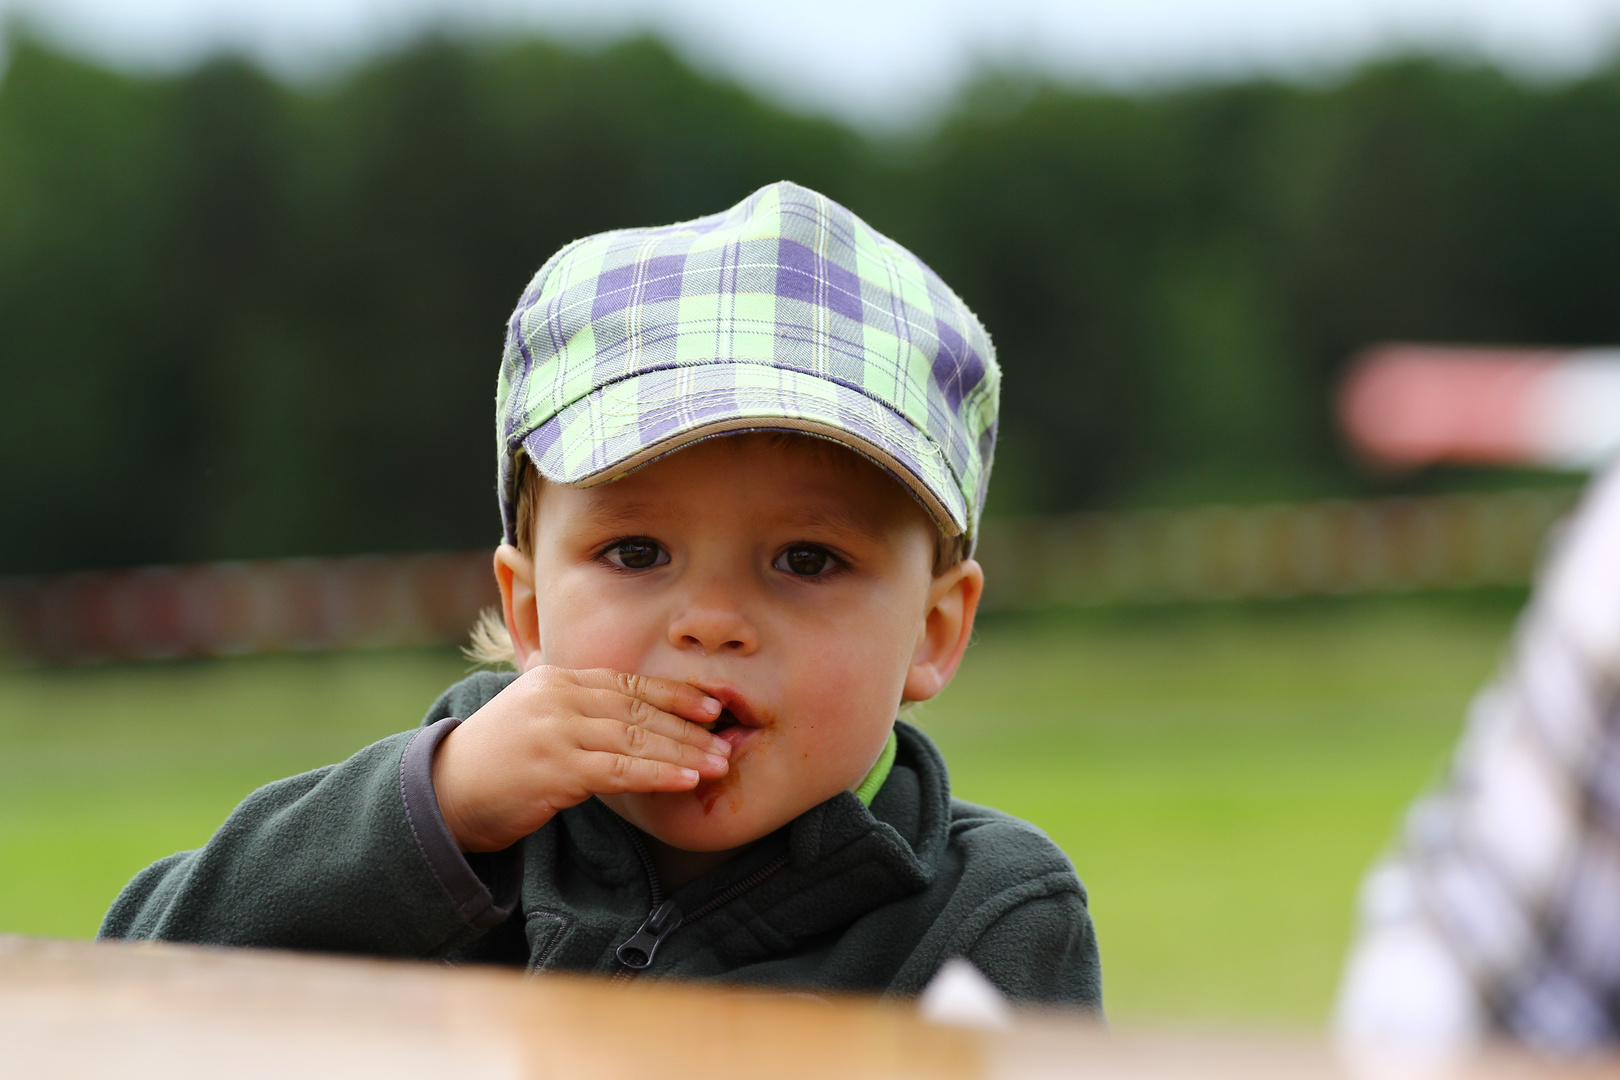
(844, 859)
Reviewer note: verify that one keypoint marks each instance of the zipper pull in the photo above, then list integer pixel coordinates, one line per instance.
(639, 951)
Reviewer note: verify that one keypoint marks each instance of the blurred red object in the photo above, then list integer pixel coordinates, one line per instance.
(222, 609)
(1404, 406)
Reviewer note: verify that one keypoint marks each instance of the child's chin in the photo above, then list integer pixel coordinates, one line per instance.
(700, 820)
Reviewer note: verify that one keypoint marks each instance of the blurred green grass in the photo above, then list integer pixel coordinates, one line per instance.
(1221, 775)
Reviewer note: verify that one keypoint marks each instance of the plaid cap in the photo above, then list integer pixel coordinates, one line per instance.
(785, 312)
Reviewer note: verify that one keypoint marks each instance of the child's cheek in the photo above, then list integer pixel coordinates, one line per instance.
(580, 634)
(846, 715)
(852, 679)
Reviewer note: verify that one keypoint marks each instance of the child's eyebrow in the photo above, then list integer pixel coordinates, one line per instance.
(619, 515)
(643, 514)
(837, 518)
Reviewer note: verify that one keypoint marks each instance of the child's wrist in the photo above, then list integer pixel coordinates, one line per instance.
(443, 792)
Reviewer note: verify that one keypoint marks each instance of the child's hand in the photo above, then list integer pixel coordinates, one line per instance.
(555, 737)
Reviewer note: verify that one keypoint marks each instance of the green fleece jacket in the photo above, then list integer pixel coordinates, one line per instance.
(356, 858)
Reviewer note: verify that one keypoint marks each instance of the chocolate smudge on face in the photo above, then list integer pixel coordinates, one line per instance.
(708, 792)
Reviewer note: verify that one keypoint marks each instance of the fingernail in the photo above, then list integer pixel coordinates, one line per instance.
(689, 775)
(711, 705)
(720, 746)
(716, 761)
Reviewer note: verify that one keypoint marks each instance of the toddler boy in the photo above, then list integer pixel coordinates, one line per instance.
(742, 463)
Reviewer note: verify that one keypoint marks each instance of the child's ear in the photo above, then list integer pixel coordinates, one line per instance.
(514, 572)
(953, 601)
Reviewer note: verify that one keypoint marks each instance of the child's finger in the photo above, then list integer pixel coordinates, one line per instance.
(666, 695)
(638, 712)
(605, 735)
(610, 774)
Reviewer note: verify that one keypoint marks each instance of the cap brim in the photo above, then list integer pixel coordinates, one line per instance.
(632, 421)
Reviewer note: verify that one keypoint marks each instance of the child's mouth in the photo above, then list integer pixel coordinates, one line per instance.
(725, 720)
(737, 720)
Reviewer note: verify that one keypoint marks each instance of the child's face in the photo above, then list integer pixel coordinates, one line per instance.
(790, 579)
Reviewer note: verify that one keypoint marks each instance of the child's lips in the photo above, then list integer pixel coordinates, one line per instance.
(738, 721)
(736, 735)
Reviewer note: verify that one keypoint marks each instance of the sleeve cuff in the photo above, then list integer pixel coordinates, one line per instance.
(484, 895)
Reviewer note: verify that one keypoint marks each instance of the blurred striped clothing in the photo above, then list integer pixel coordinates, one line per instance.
(1499, 913)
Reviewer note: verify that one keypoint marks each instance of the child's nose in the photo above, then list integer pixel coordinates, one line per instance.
(713, 628)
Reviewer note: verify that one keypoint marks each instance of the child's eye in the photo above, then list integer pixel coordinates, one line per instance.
(636, 553)
(806, 560)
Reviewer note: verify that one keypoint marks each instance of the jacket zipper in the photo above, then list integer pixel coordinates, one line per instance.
(666, 917)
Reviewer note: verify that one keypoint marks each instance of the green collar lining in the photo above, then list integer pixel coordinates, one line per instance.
(880, 772)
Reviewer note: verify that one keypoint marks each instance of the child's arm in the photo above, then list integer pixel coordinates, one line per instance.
(357, 857)
(326, 860)
(1020, 914)
(1044, 951)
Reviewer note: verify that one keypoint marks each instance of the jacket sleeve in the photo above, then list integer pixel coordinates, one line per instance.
(353, 857)
(1044, 951)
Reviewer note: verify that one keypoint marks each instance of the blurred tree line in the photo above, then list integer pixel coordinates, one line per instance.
(240, 318)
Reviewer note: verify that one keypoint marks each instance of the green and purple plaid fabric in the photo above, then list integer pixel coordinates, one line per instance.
(785, 312)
